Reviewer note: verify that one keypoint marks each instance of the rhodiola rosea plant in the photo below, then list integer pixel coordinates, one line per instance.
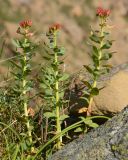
(19, 98)
(24, 69)
(100, 56)
(52, 82)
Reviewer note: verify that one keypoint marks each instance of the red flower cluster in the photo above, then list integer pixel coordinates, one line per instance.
(25, 23)
(102, 12)
(24, 28)
(55, 27)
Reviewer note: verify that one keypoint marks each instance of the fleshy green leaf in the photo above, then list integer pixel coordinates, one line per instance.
(106, 56)
(79, 129)
(95, 38)
(86, 83)
(89, 69)
(64, 77)
(95, 50)
(61, 52)
(107, 45)
(16, 65)
(48, 92)
(47, 58)
(106, 33)
(85, 98)
(63, 117)
(94, 91)
(90, 123)
(49, 114)
(16, 43)
(61, 94)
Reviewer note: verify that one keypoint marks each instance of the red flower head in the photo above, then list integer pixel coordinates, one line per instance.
(25, 24)
(102, 12)
(107, 12)
(55, 27)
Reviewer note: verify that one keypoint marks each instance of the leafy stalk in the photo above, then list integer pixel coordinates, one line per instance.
(97, 67)
(22, 72)
(99, 57)
(53, 82)
(24, 92)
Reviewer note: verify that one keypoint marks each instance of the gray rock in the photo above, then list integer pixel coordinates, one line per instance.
(107, 142)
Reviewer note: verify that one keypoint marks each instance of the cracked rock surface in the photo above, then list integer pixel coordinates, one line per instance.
(107, 142)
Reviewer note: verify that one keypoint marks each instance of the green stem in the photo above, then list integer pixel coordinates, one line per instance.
(98, 67)
(58, 126)
(24, 82)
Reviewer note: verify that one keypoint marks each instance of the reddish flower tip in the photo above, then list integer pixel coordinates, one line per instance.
(107, 12)
(102, 12)
(55, 27)
(25, 23)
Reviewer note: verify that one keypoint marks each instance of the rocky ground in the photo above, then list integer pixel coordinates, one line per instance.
(107, 142)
